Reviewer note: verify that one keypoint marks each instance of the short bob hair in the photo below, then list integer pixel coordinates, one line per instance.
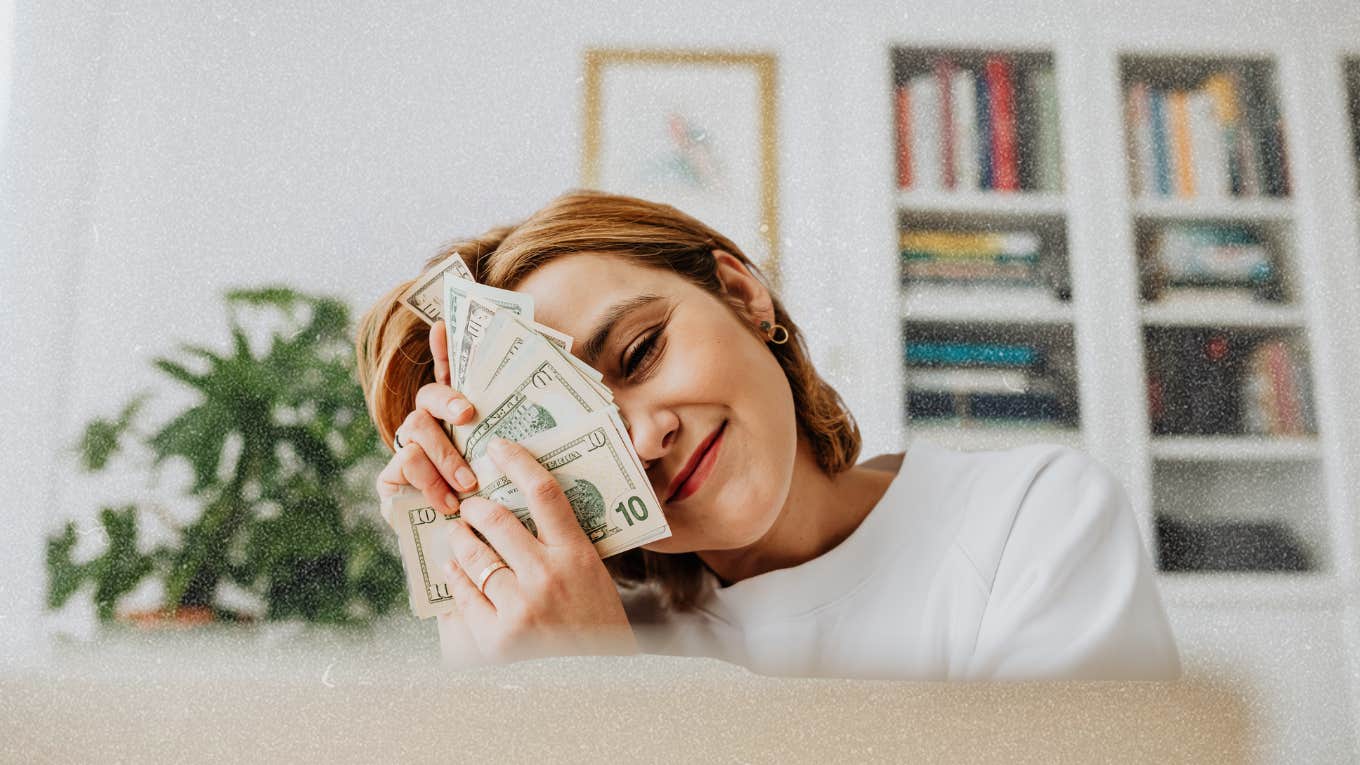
(394, 360)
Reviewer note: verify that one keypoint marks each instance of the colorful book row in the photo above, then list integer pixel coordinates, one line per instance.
(1010, 257)
(1224, 138)
(991, 129)
(972, 354)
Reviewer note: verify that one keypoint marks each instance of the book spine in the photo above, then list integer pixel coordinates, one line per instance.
(1223, 98)
(1048, 144)
(1002, 97)
(902, 116)
(931, 404)
(947, 243)
(965, 129)
(1257, 407)
(984, 131)
(1180, 142)
(943, 76)
(1014, 406)
(1206, 145)
(1015, 273)
(925, 121)
(1157, 101)
(977, 380)
(972, 353)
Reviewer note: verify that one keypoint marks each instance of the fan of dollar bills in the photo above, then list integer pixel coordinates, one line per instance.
(526, 386)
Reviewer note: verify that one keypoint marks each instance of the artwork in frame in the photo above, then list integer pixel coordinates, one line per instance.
(694, 129)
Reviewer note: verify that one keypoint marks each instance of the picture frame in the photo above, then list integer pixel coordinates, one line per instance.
(695, 129)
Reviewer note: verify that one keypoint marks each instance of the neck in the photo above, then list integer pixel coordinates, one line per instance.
(819, 513)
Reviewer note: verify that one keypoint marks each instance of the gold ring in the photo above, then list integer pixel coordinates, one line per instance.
(487, 572)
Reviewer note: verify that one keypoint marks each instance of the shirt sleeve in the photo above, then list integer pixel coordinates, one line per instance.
(1074, 596)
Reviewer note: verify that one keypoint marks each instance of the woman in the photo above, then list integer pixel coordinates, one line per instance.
(785, 555)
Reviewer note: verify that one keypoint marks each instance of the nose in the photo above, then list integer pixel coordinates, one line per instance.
(653, 431)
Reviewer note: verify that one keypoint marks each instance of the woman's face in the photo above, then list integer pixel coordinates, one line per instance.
(682, 366)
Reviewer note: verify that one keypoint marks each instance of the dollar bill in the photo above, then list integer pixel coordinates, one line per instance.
(463, 335)
(613, 504)
(425, 298)
(538, 391)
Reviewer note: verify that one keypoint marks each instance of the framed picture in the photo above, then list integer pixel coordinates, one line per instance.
(692, 129)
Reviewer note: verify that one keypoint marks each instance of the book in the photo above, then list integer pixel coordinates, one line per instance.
(925, 132)
(1047, 144)
(1001, 98)
(963, 85)
(944, 70)
(964, 271)
(984, 131)
(992, 407)
(976, 380)
(1157, 118)
(946, 243)
(1142, 161)
(1222, 89)
(1268, 131)
(902, 122)
(1207, 155)
(1209, 253)
(968, 353)
(1178, 125)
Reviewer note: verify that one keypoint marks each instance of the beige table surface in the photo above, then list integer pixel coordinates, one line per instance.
(192, 700)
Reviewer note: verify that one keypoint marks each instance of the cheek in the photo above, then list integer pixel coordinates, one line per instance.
(748, 384)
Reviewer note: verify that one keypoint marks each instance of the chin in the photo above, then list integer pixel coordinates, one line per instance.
(733, 534)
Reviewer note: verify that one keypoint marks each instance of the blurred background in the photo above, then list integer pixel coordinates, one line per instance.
(1134, 230)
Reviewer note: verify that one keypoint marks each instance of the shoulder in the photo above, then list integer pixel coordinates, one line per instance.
(1072, 589)
(1020, 501)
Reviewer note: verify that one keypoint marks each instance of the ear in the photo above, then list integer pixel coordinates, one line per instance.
(741, 284)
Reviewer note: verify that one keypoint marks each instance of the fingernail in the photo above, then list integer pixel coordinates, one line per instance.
(451, 502)
(458, 407)
(466, 478)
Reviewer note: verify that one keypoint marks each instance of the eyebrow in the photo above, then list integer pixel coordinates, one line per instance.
(616, 313)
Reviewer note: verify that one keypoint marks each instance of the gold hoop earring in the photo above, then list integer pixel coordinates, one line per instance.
(779, 336)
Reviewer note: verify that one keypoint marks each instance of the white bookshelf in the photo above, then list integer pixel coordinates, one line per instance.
(1099, 228)
(1231, 477)
(1032, 316)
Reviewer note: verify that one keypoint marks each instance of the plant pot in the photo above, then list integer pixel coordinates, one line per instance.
(165, 618)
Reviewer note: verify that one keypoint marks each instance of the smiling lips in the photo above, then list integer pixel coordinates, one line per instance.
(699, 466)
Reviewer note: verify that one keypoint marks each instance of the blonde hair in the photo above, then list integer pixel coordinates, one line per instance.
(394, 360)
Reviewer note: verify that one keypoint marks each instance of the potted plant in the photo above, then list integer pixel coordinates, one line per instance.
(282, 453)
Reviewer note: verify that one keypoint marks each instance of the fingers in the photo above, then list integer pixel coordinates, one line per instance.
(476, 607)
(439, 347)
(552, 512)
(504, 532)
(473, 556)
(444, 403)
(421, 429)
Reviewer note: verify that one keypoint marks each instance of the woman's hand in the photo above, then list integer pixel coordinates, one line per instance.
(555, 597)
(427, 459)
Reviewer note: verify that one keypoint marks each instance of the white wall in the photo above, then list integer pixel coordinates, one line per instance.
(163, 153)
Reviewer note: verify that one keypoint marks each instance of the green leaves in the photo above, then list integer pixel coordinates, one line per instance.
(115, 573)
(103, 438)
(295, 421)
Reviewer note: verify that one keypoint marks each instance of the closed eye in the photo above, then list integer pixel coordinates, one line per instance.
(642, 352)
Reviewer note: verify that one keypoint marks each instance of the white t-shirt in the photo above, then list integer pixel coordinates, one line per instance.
(1024, 563)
